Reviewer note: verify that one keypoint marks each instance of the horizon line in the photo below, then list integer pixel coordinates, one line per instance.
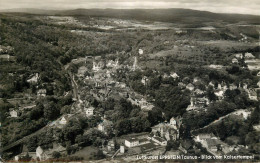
(68, 9)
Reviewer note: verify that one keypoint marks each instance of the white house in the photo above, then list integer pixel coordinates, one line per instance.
(239, 55)
(103, 126)
(98, 65)
(34, 79)
(131, 142)
(252, 95)
(219, 93)
(174, 75)
(41, 154)
(144, 80)
(190, 87)
(234, 60)
(41, 92)
(63, 120)
(249, 56)
(90, 111)
(13, 114)
(140, 51)
(173, 123)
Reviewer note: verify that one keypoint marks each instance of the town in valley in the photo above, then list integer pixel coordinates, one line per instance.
(127, 85)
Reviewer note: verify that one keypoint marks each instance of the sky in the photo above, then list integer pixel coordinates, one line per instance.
(217, 6)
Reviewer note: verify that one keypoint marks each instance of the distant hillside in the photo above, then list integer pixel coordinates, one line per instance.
(165, 15)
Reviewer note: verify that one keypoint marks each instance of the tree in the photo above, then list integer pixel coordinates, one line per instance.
(51, 111)
(155, 116)
(56, 154)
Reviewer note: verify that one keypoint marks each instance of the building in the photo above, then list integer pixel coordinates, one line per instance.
(34, 79)
(122, 149)
(239, 55)
(219, 94)
(252, 95)
(190, 87)
(258, 84)
(41, 154)
(249, 56)
(203, 137)
(258, 74)
(159, 140)
(234, 60)
(90, 111)
(140, 51)
(82, 70)
(111, 145)
(63, 120)
(145, 80)
(13, 114)
(112, 64)
(134, 142)
(167, 131)
(105, 125)
(174, 75)
(131, 142)
(98, 65)
(232, 87)
(41, 92)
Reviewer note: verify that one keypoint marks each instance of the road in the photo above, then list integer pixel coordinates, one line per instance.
(220, 119)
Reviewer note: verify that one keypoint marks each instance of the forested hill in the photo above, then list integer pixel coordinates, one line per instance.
(165, 15)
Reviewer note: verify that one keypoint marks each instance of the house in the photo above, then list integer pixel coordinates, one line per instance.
(181, 85)
(196, 79)
(219, 94)
(131, 142)
(64, 120)
(234, 60)
(242, 113)
(98, 65)
(41, 92)
(111, 145)
(232, 87)
(168, 131)
(159, 140)
(176, 122)
(122, 149)
(190, 87)
(252, 95)
(258, 84)
(249, 56)
(145, 80)
(174, 75)
(82, 70)
(140, 51)
(239, 55)
(199, 92)
(41, 154)
(203, 137)
(34, 79)
(89, 111)
(105, 125)
(112, 64)
(13, 114)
